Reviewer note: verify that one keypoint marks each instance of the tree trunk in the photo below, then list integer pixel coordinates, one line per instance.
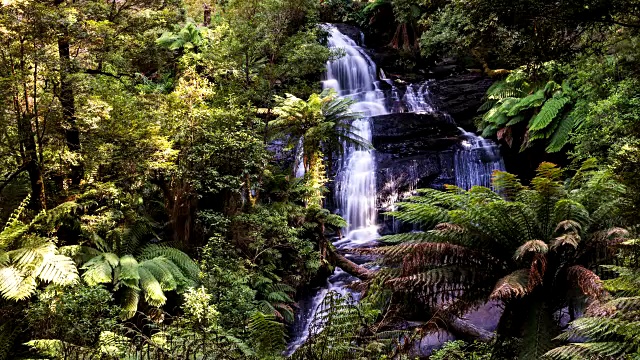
(31, 164)
(347, 265)
(67, 101)
(207, 15)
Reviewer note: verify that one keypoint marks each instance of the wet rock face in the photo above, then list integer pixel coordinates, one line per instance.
(412, 151)
(461, 96)
(351, 31)
(408, 134)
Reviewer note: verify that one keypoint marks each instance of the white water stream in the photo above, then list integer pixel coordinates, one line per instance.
(354, 76)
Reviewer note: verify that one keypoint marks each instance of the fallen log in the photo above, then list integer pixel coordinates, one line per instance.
(465, 329)
(347, 265)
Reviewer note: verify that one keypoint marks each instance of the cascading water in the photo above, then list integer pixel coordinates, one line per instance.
(475, 161)
(353, 76)
(418, 101)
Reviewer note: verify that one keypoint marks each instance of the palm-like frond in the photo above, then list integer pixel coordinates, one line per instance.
(322, 123)
(514, 100)
(512, 286)
(28, 256)
(610, 330)
(513, 248)
(267, 333)
(588, 282)
(160, 269)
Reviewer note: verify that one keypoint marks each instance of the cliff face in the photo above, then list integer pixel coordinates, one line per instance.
(412, 151)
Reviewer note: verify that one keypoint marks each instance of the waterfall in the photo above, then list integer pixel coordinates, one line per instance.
(475, 161)
(418, 101)
(353, 76)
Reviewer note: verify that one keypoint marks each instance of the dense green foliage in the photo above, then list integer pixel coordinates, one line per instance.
(135, 167)
(150, 210)
(530, 248)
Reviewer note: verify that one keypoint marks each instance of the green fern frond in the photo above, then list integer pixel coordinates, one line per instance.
(267, 332)
(57, 269)
(531, 101)
(153, 292)
(130, 300)
(98, 270)
(548, 113)
(561, 135)
(186, 264)
(162, 273)
(128, 270)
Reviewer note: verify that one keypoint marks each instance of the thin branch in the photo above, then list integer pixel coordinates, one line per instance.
(6, 181)
(100, 72)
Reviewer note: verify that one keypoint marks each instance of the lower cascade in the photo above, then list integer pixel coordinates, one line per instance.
(355, 75)
(476, 161)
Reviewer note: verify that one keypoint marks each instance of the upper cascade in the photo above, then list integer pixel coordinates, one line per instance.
(354, 75)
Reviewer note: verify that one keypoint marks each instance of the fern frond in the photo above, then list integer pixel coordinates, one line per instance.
(98, 270)
(548, 113)
(153, 293)
(514, 285)
(267, 332)
(130, 300)
(588, 282)
(531, 101)
(531, 246)
(127, 271)
(185, 263)
(15, 285)
(162, 273)
(561, 135)
(57, 269)
(571, 239)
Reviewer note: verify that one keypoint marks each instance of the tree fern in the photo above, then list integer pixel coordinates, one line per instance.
(335, 330)
(267, 333)
(546, 107)
(610, 329)
(476, 245)
(29, 256)
(538, 331)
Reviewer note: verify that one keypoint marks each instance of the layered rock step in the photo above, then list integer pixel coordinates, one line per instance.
(412, 151)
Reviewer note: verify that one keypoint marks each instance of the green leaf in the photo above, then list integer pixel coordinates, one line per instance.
(548, 113)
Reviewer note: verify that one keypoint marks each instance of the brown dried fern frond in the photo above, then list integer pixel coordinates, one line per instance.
(587, 281)
(537, 270)
(514, 285)
(571, 239)
(568, 226)
(428, 255)
(531, 247)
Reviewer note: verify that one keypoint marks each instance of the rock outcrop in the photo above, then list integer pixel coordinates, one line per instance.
(412, 151)
(461, 96)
